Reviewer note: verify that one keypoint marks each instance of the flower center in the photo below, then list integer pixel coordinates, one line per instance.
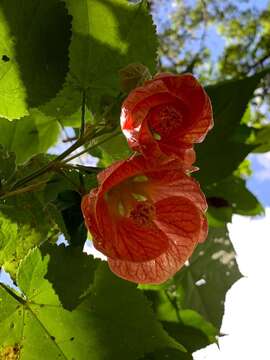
(143, 213)
(165, 120)
(130, 199)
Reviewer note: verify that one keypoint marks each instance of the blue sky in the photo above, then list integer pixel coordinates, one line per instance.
(259, 182)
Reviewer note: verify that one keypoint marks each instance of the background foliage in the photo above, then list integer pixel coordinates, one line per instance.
(60, 83)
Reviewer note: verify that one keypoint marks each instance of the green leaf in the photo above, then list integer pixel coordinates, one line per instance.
(30, 135)
(218, 215)
(69, 203)
(13, 102)
(26, 219)
(132, 76)
(234, 193)
(212, 270)
(101, 327)
(262, 139)
(27, 209)
(34, 60)
(76, 268)
(15, 242)
(193, 339)
(218, 157)
(221, 152)
(114, 150)
(69, 180)
(106, 37)
(66, 106)
(8, 165)
(62, 200)
(25, 223)
(230, 99)
(168, 354)
(167, 304)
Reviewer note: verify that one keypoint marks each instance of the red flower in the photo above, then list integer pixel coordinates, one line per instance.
(167, 116)
(146, 219)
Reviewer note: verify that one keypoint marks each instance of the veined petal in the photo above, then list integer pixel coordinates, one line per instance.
(182, 222)
(160, 224)
(204, 229)
(175, 183)
(88, 210)
(122, 238)
(104, 174)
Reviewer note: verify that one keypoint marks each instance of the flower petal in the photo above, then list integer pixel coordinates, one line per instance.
(189, 90)
(88, 210)
(182, 221)
(104, 174)
(122, 238)
(169, 95)
(175, 183)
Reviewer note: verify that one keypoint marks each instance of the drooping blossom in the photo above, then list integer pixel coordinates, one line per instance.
(167, 116)
(146, 219)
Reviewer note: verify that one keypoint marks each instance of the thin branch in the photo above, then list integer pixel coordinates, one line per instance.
(23, 190)
(91, 147)
(82, 130)
(12, 293)
(259, 62)
(54, 163)
(173, 302)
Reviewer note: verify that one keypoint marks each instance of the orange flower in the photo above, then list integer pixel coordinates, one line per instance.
(146, 219)
(167, 116)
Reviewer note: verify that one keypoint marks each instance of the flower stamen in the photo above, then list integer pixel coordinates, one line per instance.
(143, 213)
(165, 120)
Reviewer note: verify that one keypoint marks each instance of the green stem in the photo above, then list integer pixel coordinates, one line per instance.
(23, 190)
(11, 293)
(83, 114)
(174, 305)
(91, 147)
(83, 138)
(83, 168)
(54, 163)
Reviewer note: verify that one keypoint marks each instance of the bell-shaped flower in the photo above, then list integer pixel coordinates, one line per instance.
(167, 116)
(147, 219)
